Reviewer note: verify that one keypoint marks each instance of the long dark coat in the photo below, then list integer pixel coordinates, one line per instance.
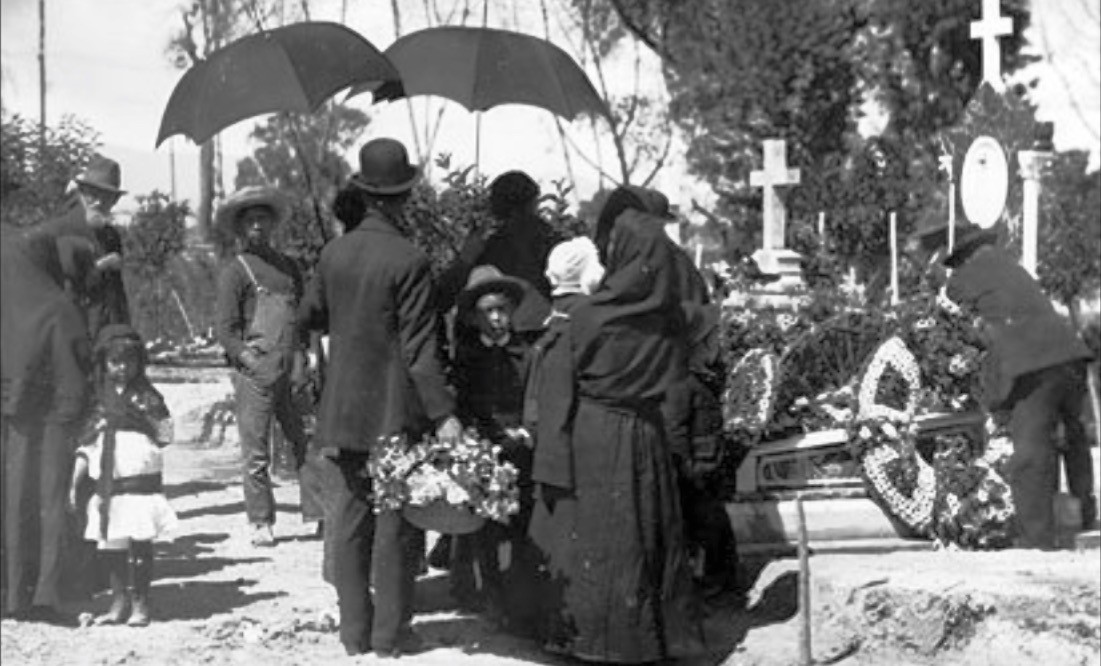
(373, 293)
(614, 543)
(45, 362)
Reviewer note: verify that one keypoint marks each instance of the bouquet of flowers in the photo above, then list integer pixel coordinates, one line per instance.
(468, 476)
(974, 505)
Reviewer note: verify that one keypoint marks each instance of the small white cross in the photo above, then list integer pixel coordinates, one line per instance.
(775, 173)
(992, 26)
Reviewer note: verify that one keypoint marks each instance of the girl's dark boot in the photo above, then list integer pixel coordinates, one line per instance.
(115, 562)
(141, 553)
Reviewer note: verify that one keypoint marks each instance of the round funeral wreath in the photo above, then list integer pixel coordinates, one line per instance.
(750, 394)
(900, 478)
(891, 354)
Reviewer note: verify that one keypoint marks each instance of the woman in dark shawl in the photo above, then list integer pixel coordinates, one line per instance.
(690, 284)
(621, 562)
(45, 362)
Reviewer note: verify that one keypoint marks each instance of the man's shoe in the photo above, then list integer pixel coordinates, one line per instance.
(262, 536)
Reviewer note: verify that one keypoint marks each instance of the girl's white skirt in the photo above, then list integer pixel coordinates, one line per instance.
(133, 517)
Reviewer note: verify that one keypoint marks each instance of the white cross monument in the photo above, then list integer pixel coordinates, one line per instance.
(774, 258)
(992, 26)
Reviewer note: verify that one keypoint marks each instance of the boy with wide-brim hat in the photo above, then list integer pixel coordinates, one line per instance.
(373, 295)
(490, 375)
(258, 294)
(1034, 372)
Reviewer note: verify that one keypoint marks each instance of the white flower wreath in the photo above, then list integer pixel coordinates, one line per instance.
(891, 354)
(916, 510)
(761, 366)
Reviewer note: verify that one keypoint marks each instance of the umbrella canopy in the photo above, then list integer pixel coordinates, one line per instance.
(292, 68)
(481, 68)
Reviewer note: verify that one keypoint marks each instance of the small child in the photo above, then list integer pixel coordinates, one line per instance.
(120, 450)
(490, 368)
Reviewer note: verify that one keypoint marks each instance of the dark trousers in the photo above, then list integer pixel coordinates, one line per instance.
(38, 463)
(256, 407)
(1039, 402)
(707, 527)
(367, 547)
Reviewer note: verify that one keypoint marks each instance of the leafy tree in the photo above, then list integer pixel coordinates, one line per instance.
(151, 242)
(303, 156)
(1069, 252)
(741, 71)
(33, 173)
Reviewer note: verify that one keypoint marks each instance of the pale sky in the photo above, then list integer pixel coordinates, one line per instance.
(106, 65)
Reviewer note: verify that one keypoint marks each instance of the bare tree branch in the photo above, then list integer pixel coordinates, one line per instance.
(660, 162)
(639, 31)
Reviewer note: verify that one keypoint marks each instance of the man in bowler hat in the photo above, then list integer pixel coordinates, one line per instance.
(1035, 371)
(372, 293)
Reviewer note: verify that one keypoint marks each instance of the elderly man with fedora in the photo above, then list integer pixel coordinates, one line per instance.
(258, 295)
(90, 247)
(1035, 372)
(372, 293)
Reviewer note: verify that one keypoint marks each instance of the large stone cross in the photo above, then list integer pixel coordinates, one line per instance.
(773, 257)
(992, 26)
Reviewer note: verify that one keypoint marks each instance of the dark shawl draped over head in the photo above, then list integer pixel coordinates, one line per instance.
(690, 284)
(628, 338)
(46, 354)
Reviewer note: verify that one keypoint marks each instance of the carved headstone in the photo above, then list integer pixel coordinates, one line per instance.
(774, 258)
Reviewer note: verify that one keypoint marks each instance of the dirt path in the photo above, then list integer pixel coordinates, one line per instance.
(218, 600)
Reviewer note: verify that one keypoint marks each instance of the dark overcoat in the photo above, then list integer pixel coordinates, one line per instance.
(1026, 333)
(373, 293)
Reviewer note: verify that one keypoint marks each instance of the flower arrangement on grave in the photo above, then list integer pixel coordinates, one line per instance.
(750, 396)
(469, 476)
(974, 505)
(897, 477)
(949, 341)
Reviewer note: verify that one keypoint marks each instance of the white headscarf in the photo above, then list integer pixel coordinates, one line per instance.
(573, 267)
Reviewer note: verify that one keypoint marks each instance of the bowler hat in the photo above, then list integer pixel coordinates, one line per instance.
(384, 168)
(248, 197)
(102, 173)
(489, 280)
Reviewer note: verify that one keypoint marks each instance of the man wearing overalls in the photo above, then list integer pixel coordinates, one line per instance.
(258, 293)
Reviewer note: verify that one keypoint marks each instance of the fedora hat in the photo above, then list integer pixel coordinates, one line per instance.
(248, 197)
(489, 280)
(101, 173)
(933, 234)
(384, 168)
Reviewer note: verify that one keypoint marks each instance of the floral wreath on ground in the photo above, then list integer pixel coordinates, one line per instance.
(467, 476)
(959, 500)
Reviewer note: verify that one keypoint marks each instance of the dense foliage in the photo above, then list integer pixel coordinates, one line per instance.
(35, 168)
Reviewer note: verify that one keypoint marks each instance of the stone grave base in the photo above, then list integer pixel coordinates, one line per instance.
(837, 521)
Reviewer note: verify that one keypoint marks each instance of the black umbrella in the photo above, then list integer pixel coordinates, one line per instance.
(482, 68)
(292, 68)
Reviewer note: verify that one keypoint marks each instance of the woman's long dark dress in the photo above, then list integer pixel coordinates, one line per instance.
(46, 358)
(614, 539)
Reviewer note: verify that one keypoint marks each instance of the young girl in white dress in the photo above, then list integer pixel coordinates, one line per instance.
(120, 450)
